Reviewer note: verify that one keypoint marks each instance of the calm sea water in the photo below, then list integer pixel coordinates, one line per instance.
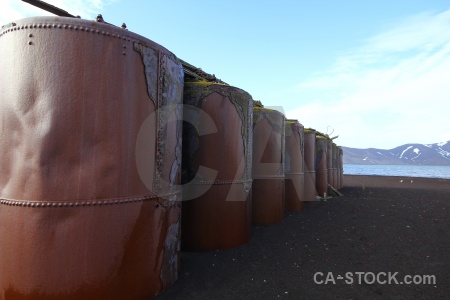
(398, 170)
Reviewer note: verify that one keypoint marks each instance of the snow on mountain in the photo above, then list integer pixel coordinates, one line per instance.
(410, 154)
(401, 155)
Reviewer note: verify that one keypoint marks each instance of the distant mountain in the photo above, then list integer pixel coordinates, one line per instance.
(437, 154)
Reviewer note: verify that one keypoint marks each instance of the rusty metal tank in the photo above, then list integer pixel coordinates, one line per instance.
(293, 166)
(330, 173)
(341, 166)
(217, 166)
(310, 172)
(338, 166)
(268, 203)
(90, 160)
(335, 165)
(338, 171)
(320, 165)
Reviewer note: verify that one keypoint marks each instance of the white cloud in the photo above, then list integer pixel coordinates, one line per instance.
(395, 89)
(14, 9)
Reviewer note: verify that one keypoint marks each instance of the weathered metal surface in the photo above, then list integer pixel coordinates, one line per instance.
(217, 136)
(335, 163)
(320, 165)
(330, 173)
(341, 166)
(293, 166)
(268, 166)
(91, 162)
(310, 172)
(338, 168)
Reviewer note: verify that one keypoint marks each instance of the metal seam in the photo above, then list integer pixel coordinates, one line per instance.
(81, 28)
(270, 177)
(59, 204)
(221, 182)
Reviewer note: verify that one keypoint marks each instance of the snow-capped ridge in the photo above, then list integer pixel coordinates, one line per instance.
(408, 154)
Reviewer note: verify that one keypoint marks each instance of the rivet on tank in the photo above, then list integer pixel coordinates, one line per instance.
(309, 157)
(268, 166)
(90, 161)
(217, 163)
(293, 166)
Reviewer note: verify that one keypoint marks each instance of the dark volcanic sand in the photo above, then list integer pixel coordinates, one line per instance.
(379, 225)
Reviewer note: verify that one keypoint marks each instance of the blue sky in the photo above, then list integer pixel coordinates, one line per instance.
(376, 73)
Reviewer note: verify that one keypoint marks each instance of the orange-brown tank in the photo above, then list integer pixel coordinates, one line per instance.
(268, 166)
(293, 166)
(90, 161)
(217, 166)
(338, 167)
(330, 162)
(310, 172)
(341, 166)
(320, 166)
(335, 164)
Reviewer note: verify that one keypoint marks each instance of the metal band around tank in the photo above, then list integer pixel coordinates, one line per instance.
(221, 182)
(81, 203)
(270, 177)
(87, 29)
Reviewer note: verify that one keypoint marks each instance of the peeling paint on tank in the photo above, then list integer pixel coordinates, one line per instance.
(150, 60)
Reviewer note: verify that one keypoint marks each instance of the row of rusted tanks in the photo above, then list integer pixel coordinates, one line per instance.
(116, 154)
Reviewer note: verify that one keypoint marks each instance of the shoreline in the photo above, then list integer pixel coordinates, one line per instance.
(396, 182)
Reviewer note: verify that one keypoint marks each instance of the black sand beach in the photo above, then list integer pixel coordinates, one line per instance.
(381, 224)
